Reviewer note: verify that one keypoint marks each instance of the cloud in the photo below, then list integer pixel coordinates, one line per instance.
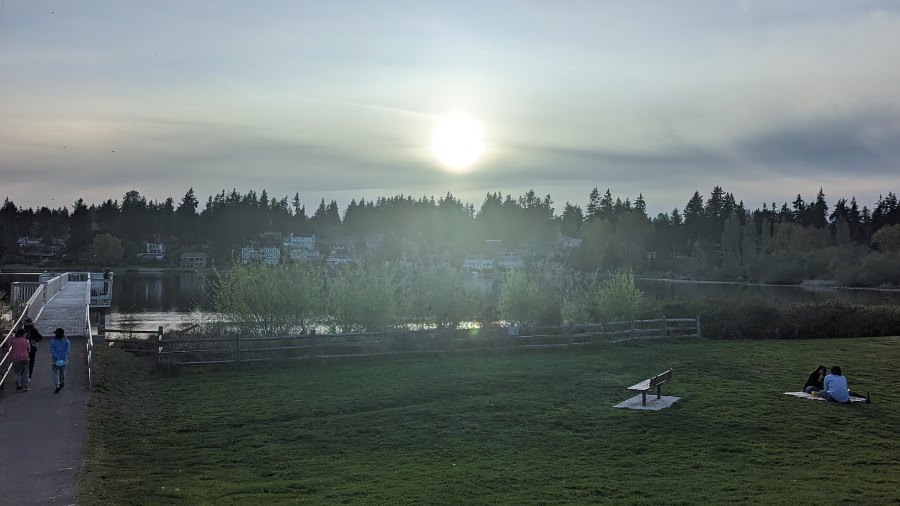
(868, 142)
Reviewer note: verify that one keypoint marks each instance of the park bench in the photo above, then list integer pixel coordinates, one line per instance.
(648, 384)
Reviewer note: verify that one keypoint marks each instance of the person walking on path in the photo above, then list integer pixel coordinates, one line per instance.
(34, 337)
(19, 350)
(59, 353)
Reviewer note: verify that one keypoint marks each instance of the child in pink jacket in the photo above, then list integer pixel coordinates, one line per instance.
(19, 350)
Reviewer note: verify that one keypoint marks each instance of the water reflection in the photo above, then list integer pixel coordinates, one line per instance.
(179, 292)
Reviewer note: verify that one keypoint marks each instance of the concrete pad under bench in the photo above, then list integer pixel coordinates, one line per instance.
(653, 404)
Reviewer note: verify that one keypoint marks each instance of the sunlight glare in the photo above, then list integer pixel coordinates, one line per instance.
(457, 142)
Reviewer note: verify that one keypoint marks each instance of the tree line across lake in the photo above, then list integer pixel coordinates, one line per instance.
(715, 237)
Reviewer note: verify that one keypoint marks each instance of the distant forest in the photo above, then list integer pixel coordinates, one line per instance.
(715, 237)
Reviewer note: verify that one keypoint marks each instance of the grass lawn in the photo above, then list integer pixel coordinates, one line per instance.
(512, 428)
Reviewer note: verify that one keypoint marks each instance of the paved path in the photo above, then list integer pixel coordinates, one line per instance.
(42, 433)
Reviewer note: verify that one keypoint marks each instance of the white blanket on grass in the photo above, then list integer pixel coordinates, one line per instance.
(805, 395)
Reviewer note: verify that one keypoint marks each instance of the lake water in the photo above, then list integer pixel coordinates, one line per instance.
(177, 299)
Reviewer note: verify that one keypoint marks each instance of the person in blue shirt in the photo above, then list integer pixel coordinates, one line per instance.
(835, 386)
(59, 353)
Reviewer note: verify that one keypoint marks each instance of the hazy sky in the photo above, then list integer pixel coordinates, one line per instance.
(337, 99)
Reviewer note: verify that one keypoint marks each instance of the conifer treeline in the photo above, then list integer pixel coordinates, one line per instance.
(716, 236)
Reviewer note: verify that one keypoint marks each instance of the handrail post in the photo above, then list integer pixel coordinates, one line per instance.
(159, 338)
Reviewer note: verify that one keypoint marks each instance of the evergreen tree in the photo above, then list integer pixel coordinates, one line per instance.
(79, 228)
(799, 213)
(572, 218)
(593, 207)
(818, 212)
(606, 205)
(187, 220)
(693, 211)
(639, 204)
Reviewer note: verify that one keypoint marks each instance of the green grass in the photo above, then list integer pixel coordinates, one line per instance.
(515, 428)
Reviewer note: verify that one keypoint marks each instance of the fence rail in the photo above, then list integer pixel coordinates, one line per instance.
(195, 351)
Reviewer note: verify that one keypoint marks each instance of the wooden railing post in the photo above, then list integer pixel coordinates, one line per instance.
(698, 325)
(631, 331)
(570, 334)
(237, 348)
(665, 327)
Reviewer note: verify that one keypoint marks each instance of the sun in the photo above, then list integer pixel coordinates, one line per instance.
(457, 141)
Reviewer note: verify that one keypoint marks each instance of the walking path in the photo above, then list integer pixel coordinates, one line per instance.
(41, 432)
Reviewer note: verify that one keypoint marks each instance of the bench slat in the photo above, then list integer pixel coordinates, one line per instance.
(644, 385)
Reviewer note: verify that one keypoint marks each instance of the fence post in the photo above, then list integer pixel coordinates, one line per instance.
(631, 332)
(698, 325)
(159, 338)
(570, 334)
(237, 348)
(665, 327)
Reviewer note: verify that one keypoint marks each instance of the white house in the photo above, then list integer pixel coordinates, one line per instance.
(307, 242)
(25, 242)
(155, 250)
(194, 260)
(303, 255)
(510, 261)
(268, 256)
(476, 263)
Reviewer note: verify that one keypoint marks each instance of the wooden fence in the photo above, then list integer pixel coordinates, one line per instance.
(194, 351)
(135, 341)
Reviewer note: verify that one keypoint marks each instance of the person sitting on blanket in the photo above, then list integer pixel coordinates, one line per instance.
(816, 380)
(836, 388)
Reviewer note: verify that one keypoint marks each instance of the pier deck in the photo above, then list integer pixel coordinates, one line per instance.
(66, 310)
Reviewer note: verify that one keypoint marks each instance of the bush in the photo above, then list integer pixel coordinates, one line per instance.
(619, 298)
(754, 318)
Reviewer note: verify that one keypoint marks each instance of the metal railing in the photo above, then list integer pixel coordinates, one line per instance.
(38, 296)
(31, 309)
(101, 290)
(89, 344)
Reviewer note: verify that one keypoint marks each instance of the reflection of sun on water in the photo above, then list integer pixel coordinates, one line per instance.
(457, 142)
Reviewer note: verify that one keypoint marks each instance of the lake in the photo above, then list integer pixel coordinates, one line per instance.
(176, 299)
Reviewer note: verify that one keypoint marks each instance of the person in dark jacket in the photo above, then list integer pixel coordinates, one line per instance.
(34, 337)
(816, 380)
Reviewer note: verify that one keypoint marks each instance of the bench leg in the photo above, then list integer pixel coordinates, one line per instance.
(659, 391)
(644, 398)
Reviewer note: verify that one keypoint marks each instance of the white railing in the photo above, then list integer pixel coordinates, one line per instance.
(38, 296)
(31, 309)
(21, 291)
(89, 344)
(101, 289)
